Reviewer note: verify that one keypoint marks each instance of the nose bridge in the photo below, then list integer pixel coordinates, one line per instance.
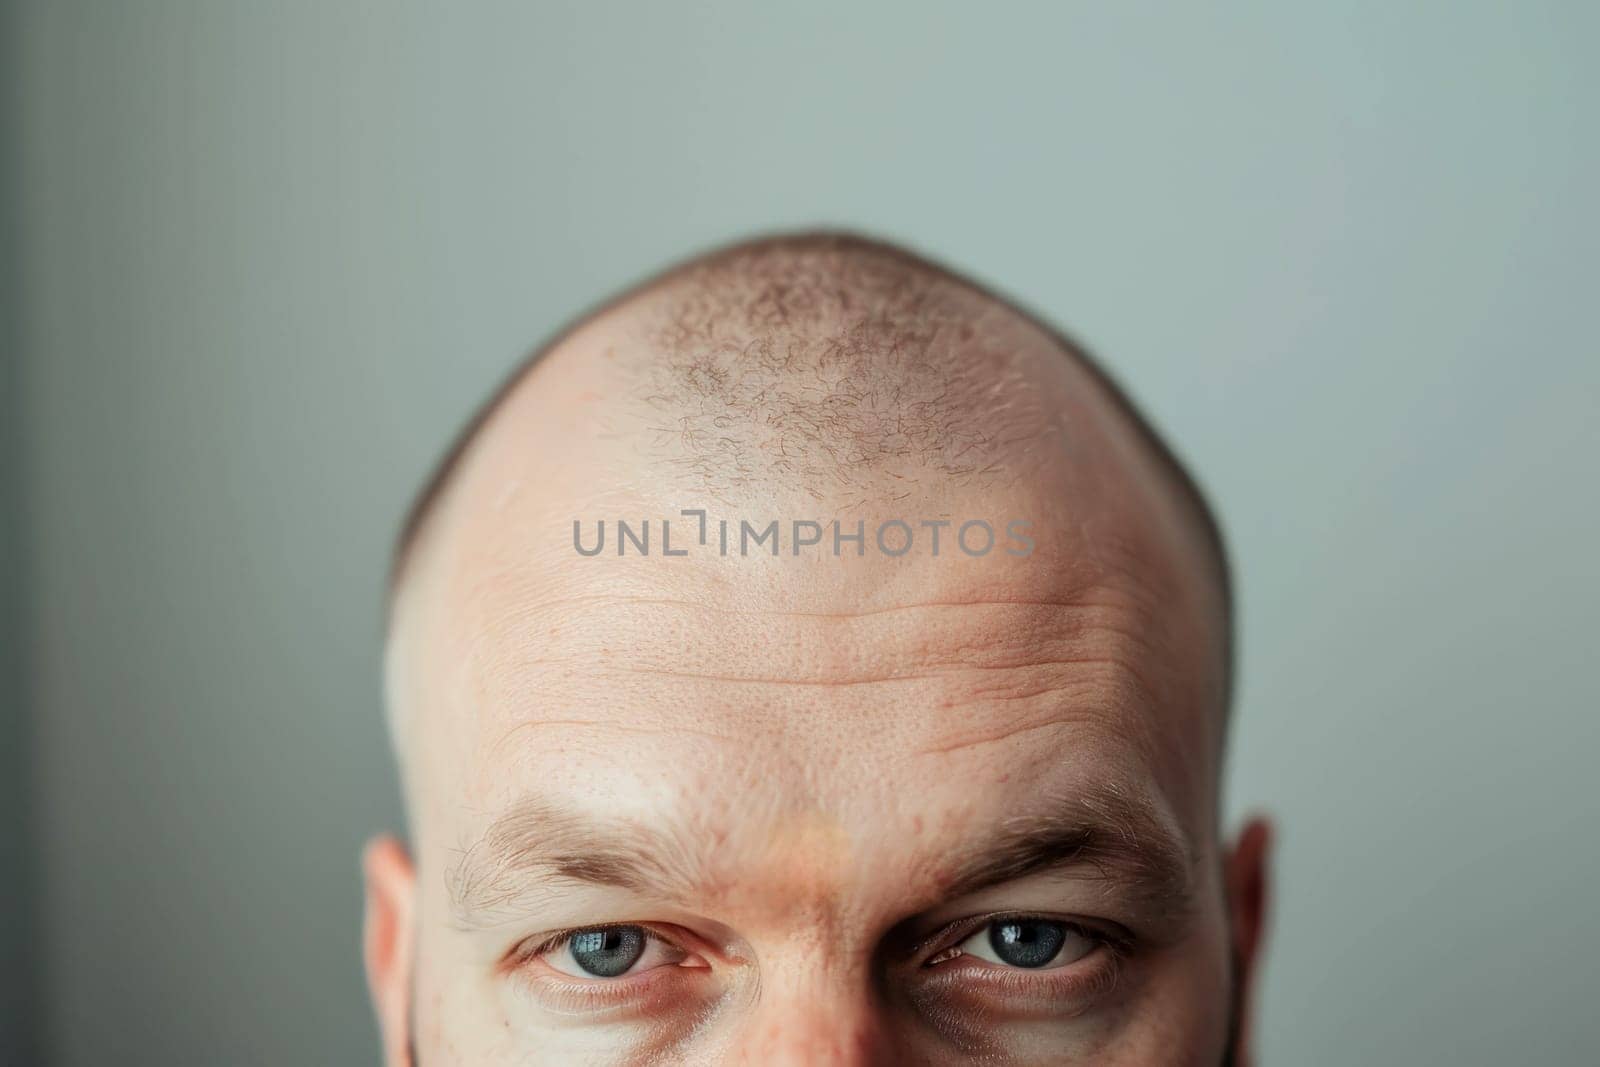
(816, 1001)
(814, 1037)
(824, 1020)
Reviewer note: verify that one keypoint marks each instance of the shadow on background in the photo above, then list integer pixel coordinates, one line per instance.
(19, 1034)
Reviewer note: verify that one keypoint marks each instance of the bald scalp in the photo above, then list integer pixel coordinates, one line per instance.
(819, 363)
(834, 366)
(838, 369)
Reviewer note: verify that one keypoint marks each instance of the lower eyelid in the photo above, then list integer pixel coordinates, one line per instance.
(643, 993)
(1073, 988)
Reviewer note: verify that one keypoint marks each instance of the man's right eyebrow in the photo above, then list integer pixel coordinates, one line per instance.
(534, 841)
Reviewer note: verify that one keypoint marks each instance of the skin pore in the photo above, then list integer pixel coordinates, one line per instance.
(815, 807)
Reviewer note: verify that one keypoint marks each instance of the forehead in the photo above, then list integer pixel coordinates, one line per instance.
(774, 692)
(864, 691)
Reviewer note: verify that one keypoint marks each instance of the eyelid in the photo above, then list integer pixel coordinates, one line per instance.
(634, 993)
(538, 945)
(1112, 935)
(561, 937)
(530, 949)
(1076, 944)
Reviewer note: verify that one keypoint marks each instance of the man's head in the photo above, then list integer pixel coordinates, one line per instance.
(810, 658)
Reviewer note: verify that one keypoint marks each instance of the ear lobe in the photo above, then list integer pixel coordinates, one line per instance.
(388, 940)
(1249, 892)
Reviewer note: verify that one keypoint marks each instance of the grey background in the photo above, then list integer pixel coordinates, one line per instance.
(261, 259)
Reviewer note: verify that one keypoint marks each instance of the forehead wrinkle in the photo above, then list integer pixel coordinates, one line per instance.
(656, 636)
(921, 674)
(1018, 666)
(1097, 657)
(865, 613)
(1055, 717)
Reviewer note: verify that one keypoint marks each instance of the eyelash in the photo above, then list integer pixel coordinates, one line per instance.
(569, 993)
(954, 933)
(561, 938)
(1084, 981)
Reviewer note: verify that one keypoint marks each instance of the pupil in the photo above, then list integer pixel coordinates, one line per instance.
(607, 952)
(1027, 942)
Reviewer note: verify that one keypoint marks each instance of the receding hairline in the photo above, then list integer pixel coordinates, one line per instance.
(1192, 498)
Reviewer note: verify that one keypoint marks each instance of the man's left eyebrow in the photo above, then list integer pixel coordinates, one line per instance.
(1108, 831)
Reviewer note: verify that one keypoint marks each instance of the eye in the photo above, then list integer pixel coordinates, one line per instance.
(1035, 944)
(609, 952)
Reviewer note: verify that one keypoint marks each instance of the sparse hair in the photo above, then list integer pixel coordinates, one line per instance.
(815, 363)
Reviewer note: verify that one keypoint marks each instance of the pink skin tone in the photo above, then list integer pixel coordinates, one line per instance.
(813, 746)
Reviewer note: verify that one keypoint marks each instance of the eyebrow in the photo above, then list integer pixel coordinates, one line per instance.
(535, 840)
(1122, 839)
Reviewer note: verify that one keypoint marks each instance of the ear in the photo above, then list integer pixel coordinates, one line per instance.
(387, 942)
(1249, 891)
